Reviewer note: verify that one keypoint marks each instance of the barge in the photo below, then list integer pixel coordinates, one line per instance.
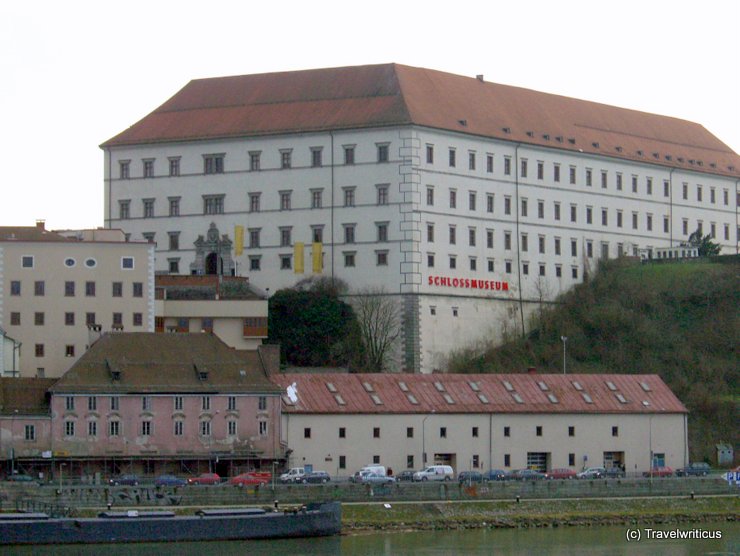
(314, 519)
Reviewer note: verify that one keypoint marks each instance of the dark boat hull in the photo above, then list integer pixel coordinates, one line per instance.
(315, 520)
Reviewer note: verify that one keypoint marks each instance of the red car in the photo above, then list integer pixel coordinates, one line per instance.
(659, 472)
(251, 478)
(205, 479)
(560, 474)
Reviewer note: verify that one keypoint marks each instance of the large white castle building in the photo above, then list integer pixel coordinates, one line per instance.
(470, 203)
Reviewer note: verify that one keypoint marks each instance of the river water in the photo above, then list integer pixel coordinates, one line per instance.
(586, 541)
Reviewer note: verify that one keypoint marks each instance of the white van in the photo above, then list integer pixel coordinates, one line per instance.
(294, 475)
(377, 469)
(435, 473)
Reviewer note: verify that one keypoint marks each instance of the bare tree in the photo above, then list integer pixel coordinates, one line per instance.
(380, 326)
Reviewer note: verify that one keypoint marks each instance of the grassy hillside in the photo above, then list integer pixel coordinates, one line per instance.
(677, 320)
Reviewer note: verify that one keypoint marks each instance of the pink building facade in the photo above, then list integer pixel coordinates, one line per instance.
(161, 403)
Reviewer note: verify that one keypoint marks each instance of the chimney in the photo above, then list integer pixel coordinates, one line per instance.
(531, 370)
(479, 77)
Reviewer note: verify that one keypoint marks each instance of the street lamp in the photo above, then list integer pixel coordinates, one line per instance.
(423, 439)
(564, 339)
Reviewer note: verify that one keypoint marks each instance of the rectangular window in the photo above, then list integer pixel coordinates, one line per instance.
(507, 240)
(174, 206)
(69, 350)
(69, 403)
(349, 155)
(15, 318)
(572, 175)
(507, 205)
(524, 243)
(474, 432)
(619, 219)
(589, 177)
(148, 209)
(349, 259)
(540, 209)
(262, 403)
(39, 287)
(117, 319)
(254, 238)
(205, 428)
(604, 217)
(524, 207)
(619, 181)
(471, 161)
(685, 191)
(489, 239)
(205, 403)
(489, 202)
(666, 188)
(213, 164)
(15, 287)
(430, 233)
(507, 431)
(556, 211)
(571, 460)
(409, 432)
(541, 244)
(634, 220)
(117, 289)
(349, 233)
(573, 213)
(452, 158)
(471, 237)
(286, 159)
(615, 431)
(148, 168)
(430, 196)
(489, 163)
(90, 289)
(382, 153)
(178, 403)
(540, 170)
(174, 164)
(453, 231)
(285, 200)
(557, 246)
(589, 215)
(523, 168)
(604, 179)
(430, 154)
(179, 428)
(30, 433)
(69, 428)
(443, 432)
(146, 403)
(507, 165)
(146, 428)
(382, 194)
(124, 169)
(556, 173)
(349, 196)
(571, 431)
(114, 403)
(453, 199)
(382, 232)
(254, 202)
(231, 428)
(316, 161)
(573, 248)
(538, 430)
(213, 204)
(649, 186)
(174, 241)
(471, 200)
(262, 428)
(124, 212)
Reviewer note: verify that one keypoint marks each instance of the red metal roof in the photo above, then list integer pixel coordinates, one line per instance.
(317, 393)
(393, 94)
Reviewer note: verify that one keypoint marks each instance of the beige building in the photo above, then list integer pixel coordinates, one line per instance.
(339, 423)
(58, 293)
(227, 306)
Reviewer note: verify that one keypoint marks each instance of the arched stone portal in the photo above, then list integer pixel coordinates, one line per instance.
(213, 254)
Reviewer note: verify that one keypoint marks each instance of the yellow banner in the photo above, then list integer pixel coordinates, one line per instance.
(238, 240)
(298, 257)
(318, 260)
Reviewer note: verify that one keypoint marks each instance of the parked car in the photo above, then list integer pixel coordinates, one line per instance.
(527, 475)
(496, 475)
(697, 469)
(405, 476)
(205, 479)
(470, 477)
(660, 471)
(435, 473)
(251, 478)
(128, 480)
(592, 473)
(560, 473)
(169, 481)
(316, 477)
(294, 475)
(377, 479)
(20, 478)
(358, 476)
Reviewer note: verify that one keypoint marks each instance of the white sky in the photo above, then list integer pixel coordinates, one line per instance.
(76, 73)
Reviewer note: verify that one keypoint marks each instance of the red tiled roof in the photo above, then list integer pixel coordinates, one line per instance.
(315, 395)
(393, 94)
